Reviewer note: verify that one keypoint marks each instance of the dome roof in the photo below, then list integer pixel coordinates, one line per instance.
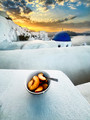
(62, 36)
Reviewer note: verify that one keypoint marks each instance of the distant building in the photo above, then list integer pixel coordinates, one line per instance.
(63, 39)
(44, 36)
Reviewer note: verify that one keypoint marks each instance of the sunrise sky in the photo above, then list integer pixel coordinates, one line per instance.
(49, 15)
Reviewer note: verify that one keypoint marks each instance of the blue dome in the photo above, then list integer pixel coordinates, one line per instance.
(62, 36)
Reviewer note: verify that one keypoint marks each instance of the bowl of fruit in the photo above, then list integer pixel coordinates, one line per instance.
(38, 82)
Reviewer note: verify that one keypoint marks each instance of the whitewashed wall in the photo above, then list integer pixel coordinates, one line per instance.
(74, 61)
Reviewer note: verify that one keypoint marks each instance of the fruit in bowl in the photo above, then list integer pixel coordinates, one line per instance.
(38, 83)
(33, 83)
(41, 77)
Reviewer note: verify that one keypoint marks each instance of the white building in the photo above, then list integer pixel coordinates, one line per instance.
(62, 39)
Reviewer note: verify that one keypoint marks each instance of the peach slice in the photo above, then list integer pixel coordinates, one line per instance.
(33, 84)
(30, 83)
(45, 85)
(41, 77)
(39, 89)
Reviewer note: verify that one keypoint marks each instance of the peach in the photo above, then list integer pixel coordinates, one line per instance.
(39, 89)
(33, 84)
(30, 83)
(45, 85)
(41, 77)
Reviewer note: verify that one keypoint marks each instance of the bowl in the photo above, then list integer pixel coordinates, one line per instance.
(35, 74)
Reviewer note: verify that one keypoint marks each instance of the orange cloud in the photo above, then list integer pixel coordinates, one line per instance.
(54, 26)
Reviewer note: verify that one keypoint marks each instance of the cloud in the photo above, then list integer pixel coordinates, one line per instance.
(84, 2)
(15, 6)
(49, 2)
(85, 24)
(87, 4)
(8, 3)
(73, 4)
(39, 12)
(52, 2)
(1, 7)
(73, 0)
(79, 3)
(68, 2)
(46, 4)
(60, 21)
(41, 5)
(72, 7)
(53, 26)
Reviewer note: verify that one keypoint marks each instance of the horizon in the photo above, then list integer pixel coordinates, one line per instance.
(49, 15)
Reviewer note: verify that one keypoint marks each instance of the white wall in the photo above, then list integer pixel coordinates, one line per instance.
(74, 61)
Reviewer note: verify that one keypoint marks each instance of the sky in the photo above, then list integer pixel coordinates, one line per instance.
(49, 15)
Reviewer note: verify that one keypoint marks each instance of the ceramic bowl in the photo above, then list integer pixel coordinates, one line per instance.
(35, 74)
